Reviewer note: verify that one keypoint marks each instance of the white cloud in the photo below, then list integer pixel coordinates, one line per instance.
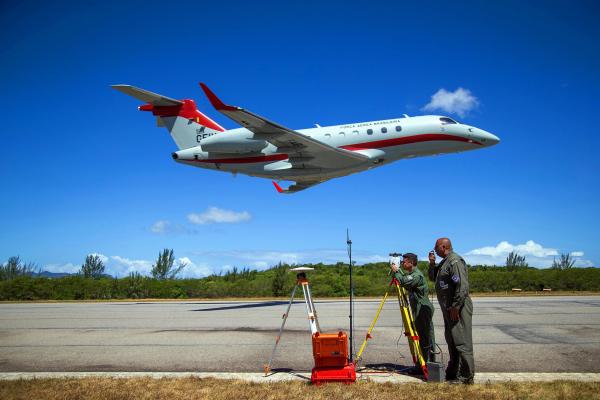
(193, 270)
(164, 227)
(260, 264)
(265, 259)
(159, 226)
(529, 248)
(536, 254)
(102, 257)
(215, 215)
(121, 266)
(459, 102)
(68, 268)
(583, 263)
(71, 268)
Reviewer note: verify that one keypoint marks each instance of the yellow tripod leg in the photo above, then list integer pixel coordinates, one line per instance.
(368, 336)
(410, 330)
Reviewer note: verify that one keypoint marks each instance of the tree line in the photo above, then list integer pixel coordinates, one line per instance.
(164, 267)
(326, 281)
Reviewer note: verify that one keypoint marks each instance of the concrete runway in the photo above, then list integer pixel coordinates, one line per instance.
(515, 334)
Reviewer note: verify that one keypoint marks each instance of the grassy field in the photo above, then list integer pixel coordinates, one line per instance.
(194, 388)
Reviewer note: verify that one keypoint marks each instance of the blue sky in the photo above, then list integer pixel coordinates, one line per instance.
(82, 171)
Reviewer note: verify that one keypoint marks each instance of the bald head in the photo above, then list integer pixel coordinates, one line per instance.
(443, 247)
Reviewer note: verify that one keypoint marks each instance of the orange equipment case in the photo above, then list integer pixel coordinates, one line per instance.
(330, 351)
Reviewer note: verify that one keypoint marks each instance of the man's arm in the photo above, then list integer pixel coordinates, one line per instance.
(461, 282)
(409, 281)
(432, 272)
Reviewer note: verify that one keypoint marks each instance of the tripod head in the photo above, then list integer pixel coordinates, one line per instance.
(301, 271)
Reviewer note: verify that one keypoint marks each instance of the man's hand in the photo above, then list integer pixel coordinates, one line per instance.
(432, 258)
(454, 313)
(394, 267)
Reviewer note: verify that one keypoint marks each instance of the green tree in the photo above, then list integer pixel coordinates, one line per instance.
(165, 268)
(135, 285)
(93, 267)
(564, 262)
(15, 268)
(514, 261)
(278, 282)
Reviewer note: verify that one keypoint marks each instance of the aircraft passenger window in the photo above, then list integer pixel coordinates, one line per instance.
(328, 136)
(342, 134)
(355, 132)
(446, 120)
(398, 128)
(369, 131)
(383, 130)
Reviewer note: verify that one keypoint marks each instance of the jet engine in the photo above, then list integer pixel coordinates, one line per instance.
(232, 142)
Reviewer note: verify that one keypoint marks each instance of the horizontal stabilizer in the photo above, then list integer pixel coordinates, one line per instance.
(146, 96)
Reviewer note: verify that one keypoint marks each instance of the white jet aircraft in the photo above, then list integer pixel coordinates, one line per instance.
(308, 157)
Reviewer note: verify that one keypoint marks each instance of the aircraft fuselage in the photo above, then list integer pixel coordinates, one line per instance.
(242, 151)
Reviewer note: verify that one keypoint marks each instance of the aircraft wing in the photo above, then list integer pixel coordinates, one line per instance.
(304, 151)
(147, 96)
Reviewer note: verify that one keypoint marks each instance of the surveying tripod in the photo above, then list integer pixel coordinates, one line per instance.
(313, 322)
(410, 330)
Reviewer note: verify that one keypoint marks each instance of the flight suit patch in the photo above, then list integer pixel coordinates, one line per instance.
(443, 285)
(455, 278)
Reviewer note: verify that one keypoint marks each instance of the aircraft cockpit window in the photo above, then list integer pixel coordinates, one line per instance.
(369, 131)
(398, 128)
(383, 130)
(446, 120)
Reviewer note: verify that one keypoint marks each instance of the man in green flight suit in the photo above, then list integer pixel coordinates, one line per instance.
(452, 288)
(413, 280)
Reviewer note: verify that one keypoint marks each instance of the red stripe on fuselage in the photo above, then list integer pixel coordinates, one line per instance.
(427, 137)
(353, 147)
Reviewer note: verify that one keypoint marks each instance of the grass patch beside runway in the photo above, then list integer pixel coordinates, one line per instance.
(216, 389)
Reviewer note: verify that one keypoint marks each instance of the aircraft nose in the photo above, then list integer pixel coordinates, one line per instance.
(491, 139)
(485, 138)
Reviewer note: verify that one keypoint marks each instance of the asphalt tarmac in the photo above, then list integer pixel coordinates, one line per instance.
(511, 334)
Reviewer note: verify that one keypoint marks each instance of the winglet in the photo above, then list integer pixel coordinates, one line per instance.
(215, 101)
(279, 189)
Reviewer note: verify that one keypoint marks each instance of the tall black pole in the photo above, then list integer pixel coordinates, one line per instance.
(349, 243)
